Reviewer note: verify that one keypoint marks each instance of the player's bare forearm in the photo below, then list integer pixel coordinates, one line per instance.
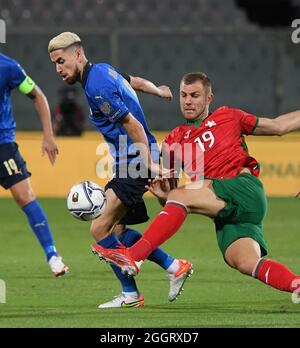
(289, 122)
(281, 125)
(42, 107)
(138, 136)
(146, 86)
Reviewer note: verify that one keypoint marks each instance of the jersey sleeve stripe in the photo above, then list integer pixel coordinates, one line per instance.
(255, 126)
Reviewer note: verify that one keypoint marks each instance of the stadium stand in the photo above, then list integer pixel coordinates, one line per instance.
(160, 40)
(129, 13)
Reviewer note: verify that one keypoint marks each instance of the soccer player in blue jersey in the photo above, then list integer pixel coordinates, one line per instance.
(14, 175)
(117, 114)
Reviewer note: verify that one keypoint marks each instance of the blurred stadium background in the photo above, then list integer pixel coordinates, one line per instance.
(252, 67)
(245, 47)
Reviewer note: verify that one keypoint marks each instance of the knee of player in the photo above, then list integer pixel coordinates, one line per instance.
(245, 268)
(242, 265)
(25, 197)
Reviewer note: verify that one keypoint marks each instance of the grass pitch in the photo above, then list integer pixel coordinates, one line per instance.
(215, 296)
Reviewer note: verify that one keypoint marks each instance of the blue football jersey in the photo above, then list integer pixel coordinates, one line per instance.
(11, 76)
(111, 98)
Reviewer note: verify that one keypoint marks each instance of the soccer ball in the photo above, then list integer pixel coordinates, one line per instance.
(86, 201)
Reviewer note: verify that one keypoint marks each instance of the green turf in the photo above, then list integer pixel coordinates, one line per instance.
(216, 296)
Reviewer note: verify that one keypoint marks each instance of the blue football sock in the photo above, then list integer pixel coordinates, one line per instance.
(109, 242)
(40, 226)
(129, 237)
(128, 284)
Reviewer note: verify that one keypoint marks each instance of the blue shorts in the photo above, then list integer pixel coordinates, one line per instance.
(12, 166)
(130, 192)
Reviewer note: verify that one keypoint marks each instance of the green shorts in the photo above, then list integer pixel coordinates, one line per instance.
(244, 212)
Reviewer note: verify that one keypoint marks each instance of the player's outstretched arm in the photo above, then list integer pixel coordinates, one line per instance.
(280, 125)
(41, 104)
(146, 86)
(137, 134)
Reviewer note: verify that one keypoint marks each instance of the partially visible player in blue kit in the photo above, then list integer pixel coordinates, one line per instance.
(117, 114)
(14, 175)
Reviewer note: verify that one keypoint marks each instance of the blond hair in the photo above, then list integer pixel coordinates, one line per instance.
(63, 40)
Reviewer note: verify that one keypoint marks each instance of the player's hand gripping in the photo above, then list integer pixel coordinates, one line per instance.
(165, 92)
(49, 146)
(159, 187)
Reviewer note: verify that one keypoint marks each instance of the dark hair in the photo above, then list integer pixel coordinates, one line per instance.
(193, 77)
(75, 46)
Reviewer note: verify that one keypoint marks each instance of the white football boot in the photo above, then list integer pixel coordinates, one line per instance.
(122, 301)
(178, 279)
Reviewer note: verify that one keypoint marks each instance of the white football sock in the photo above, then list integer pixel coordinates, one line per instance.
(174, 266)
